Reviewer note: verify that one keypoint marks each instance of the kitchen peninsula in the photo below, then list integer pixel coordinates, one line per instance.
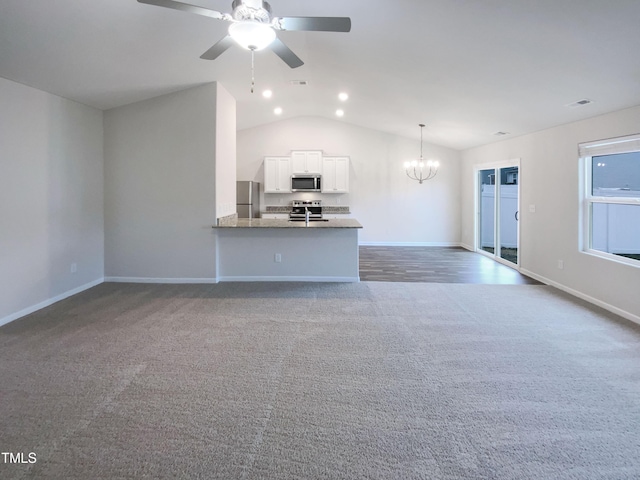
(263, 249)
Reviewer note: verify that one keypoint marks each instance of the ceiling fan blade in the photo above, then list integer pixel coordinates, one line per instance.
(314, 24)
(218, 49)
(285, 54)
(185, 7)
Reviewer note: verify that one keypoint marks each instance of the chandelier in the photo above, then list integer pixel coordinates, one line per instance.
(419, 169)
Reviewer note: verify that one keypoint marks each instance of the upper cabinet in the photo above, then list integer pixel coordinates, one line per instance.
(334, 171)
(277, 175)
(335, 174)
(306, 161)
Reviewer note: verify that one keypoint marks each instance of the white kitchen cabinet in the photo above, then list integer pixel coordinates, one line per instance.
(335, 174)
(277, 216)
(277, 174)
(306, 161)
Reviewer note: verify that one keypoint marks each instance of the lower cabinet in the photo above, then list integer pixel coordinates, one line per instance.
(335, 174)
(281, 216)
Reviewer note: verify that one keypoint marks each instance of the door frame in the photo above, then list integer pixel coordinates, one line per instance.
(515, 162)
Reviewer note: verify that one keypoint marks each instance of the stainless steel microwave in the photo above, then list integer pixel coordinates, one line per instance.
(306, 183)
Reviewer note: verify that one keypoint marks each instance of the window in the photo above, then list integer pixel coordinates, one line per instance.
(612, 198)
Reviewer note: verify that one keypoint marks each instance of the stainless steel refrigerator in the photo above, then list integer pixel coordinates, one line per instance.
(248, 199)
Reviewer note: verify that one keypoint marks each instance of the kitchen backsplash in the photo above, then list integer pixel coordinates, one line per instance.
(325, 209)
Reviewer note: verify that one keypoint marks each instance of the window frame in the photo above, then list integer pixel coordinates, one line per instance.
(613, 146)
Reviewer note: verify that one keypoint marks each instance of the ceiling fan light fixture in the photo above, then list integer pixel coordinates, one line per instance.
(252, 35)
(253, 27)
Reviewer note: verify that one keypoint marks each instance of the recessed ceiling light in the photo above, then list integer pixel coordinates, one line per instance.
(340, 112)
(277, 110)
(343, 96)
(267, 94)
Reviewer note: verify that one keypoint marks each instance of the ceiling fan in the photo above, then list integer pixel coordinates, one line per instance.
(253, 28)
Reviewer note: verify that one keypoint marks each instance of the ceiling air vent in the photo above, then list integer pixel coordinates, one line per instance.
(299, 83)
(579, 103)
(501, 134)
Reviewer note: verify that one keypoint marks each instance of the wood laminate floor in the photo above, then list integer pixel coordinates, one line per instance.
(434, 265)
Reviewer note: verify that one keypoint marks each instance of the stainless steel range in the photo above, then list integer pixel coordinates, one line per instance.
(306, 210)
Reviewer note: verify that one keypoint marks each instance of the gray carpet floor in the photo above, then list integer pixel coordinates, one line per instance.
(371, 380)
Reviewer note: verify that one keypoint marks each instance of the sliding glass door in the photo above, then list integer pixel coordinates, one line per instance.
(498, 213)
(487, 211)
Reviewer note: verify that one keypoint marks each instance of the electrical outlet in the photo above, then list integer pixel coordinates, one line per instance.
(561, 264)
(532, 208)
(74, 268)
(277, 258)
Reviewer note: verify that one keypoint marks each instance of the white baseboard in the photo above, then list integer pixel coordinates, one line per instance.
(409, 244)
(50, 301)
(467, 247)
(618, 311)
(289, 279)
(158, 280)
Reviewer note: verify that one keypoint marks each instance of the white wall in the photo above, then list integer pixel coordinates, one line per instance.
(160, 200)
(51, 198)
(549, 179)
(392, 208)
(225, 152)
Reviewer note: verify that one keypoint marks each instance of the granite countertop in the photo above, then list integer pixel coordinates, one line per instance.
(333, 209)
(282, 223)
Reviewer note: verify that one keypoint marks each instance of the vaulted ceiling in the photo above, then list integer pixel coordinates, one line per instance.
(466, 68)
